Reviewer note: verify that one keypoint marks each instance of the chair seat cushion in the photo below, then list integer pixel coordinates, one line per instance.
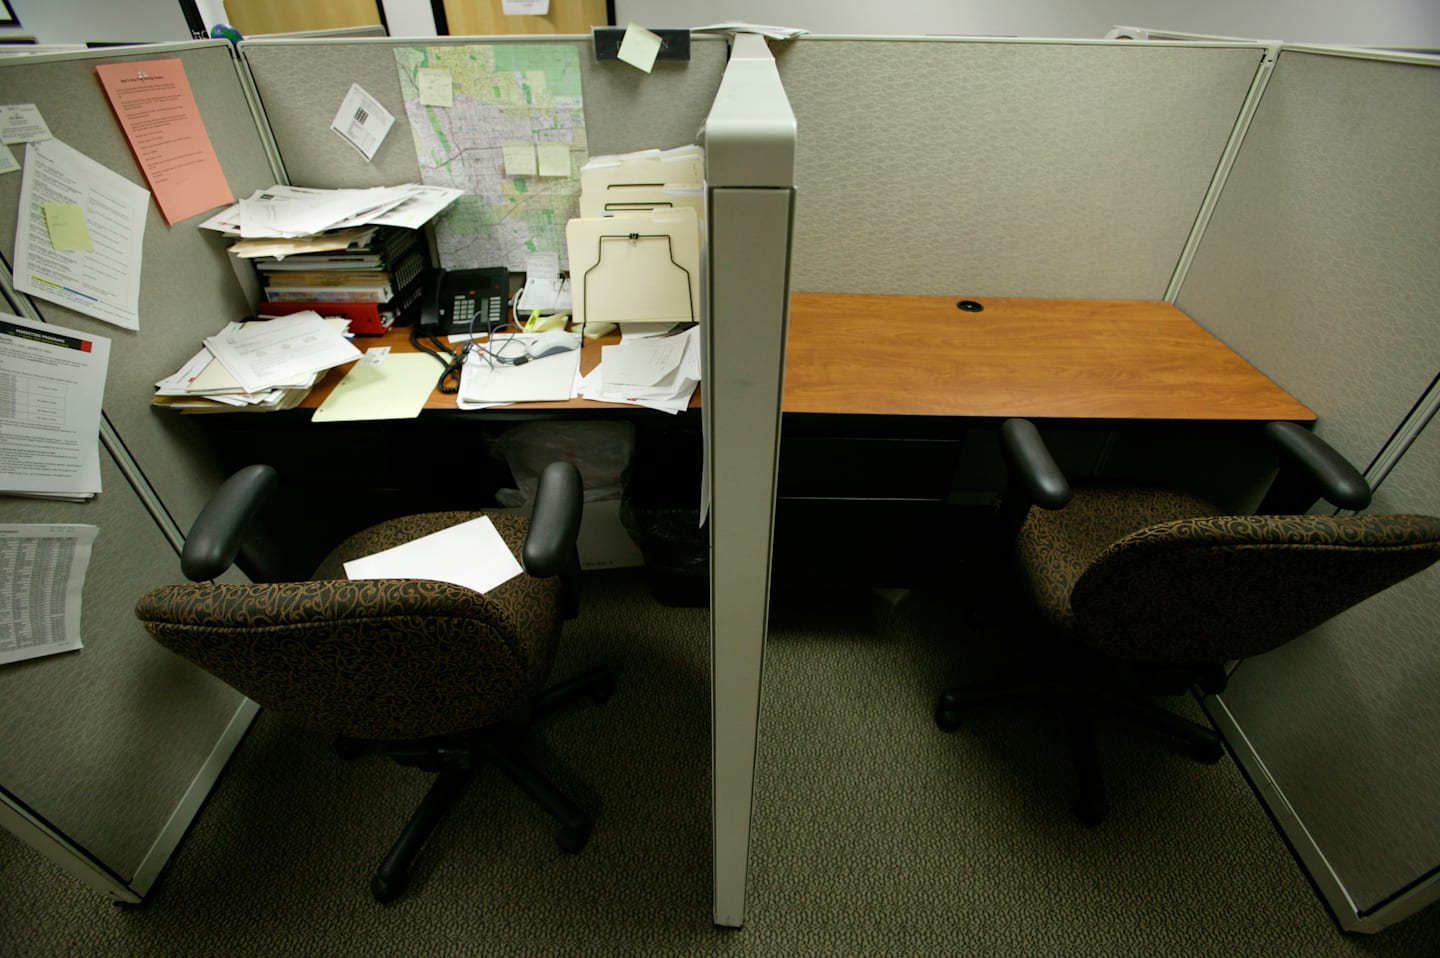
(377, 658)
(1054, 548)
(531, 606)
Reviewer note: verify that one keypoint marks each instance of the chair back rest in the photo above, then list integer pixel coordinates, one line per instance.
(371, 659)
(1215, 588)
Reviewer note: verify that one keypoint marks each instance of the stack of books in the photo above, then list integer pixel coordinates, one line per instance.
(374, 279)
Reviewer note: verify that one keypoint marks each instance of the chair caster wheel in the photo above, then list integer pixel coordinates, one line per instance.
(384, 890)
(572, 839)
(947, 719)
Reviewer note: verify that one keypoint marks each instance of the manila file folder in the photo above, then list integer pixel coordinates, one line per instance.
(635, 269)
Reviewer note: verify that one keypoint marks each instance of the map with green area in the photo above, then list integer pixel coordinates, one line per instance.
(504, 97)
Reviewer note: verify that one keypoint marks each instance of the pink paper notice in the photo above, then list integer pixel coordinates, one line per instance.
(157, 110)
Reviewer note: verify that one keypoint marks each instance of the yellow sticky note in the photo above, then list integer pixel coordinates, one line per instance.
(554, 159)
(436, 88)
(640, 47)
(519, 158)
(66, 223)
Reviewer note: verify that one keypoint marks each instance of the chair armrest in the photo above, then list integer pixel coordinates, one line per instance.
(555, 521)
(1032, 470)
(1310, 468)
(226, 523)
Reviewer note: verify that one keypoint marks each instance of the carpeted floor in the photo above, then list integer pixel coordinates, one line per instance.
(874, 833)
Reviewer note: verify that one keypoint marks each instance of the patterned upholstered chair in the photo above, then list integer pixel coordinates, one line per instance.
(432, 674)
(1149, 592)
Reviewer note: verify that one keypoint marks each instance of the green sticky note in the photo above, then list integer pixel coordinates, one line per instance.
(66, 223)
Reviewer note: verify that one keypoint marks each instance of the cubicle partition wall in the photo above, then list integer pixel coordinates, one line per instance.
(107, 753)
(301, 84)
(1320, 266)
(969, 167)
(750, 139)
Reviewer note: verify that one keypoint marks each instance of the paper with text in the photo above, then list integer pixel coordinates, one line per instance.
(42, 579)
(362, 122)
(103, 282)
(157, 111)
(52, 381)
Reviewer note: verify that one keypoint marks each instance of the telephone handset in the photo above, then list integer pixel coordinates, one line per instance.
(454, 299)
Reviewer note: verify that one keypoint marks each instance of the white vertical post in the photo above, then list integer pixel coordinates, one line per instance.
(750, 150)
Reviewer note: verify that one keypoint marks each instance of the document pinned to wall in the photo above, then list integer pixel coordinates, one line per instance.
(42, 579)
(22, 123)
(362, 122)
(158, 113)
(8, 163)
(104, 281)
(52, 381)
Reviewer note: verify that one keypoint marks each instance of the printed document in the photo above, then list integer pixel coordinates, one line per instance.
(103, 282)
(157, 111)
(51, 384)
(263, 354)
(42, 576)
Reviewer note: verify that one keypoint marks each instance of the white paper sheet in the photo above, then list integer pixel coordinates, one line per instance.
(103, 282)
(262, 354)
(52, 381)
(42, 579)
(471, 554)
(362, 121)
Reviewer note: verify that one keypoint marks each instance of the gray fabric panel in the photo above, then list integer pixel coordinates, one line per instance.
(188, 288)
(104, 742)
(1346, 718)
(1004, 169)
(302, 84)
(1320, 265)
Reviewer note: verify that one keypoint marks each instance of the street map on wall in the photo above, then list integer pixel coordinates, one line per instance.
(501, 95)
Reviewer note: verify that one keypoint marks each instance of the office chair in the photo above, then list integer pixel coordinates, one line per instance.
(1147, 592)
(432, 674)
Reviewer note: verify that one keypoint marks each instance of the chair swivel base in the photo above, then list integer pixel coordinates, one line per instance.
(393, 875)
(1076, 706)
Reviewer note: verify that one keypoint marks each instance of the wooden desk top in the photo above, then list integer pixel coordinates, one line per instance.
(399, 341)
(1035, 358)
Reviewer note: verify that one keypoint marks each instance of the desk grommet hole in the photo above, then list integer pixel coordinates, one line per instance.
(969, 306)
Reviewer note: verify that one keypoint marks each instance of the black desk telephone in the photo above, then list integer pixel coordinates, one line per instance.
(454, 298)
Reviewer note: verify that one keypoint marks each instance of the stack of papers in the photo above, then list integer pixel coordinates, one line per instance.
(268, 364)
(658, 371)
(294, 211)
(486, 381)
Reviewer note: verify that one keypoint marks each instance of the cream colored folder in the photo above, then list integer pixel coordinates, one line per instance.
(683, 166)
(635, 269)
(622, 200)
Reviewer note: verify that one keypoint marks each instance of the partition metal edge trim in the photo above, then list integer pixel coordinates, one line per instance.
(148, 51)
(1332, 889)
(1306, 849)
(1043, 41)
(64, 853)
(175, 827)
(1408, 431)
(257, 115)
(1261, 80)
